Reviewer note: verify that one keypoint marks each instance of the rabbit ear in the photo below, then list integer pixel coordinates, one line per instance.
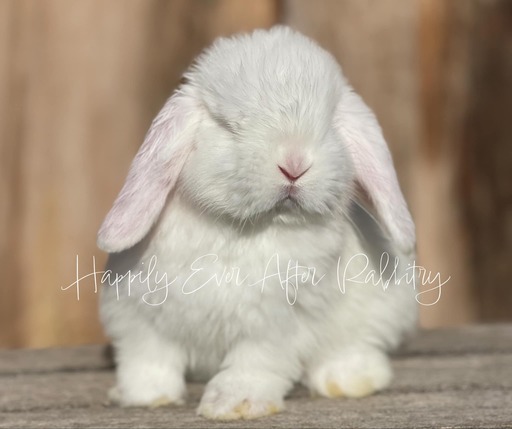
(153, 173)
(374, 169)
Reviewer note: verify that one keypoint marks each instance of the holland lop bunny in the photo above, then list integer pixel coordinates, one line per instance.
(242, 240)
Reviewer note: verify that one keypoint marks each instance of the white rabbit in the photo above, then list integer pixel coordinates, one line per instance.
(258, 163)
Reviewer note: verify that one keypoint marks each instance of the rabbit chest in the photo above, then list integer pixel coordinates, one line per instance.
(206, 285)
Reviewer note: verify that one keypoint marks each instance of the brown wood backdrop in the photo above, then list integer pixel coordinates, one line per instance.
(80, 82)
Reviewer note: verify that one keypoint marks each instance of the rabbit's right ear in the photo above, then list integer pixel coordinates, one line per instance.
(152, 175)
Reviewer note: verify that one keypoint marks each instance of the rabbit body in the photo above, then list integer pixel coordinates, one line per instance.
(236, 283)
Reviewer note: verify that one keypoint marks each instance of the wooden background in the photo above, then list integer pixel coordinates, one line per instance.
(80, 82)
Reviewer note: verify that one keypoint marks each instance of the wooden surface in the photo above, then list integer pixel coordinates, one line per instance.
(458, 378)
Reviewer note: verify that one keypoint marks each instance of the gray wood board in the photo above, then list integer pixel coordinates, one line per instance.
(453, 378)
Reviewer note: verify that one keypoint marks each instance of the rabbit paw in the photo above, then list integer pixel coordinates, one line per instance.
(151, 401)
(142, 390)
(238, 396)
(353, 374)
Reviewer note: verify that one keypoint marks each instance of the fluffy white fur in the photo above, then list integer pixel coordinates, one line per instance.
(205, 197)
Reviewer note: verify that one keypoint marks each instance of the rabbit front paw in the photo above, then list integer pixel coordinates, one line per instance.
(233, 395)
(146, 386)
(142, 399)
(352, 373)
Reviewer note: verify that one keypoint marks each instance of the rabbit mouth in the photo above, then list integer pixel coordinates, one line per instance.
(289, 203)
(289, 210)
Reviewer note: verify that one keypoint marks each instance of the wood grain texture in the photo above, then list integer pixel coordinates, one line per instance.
(10, 183)
(445, 378)
(485, 172)
(444, 57)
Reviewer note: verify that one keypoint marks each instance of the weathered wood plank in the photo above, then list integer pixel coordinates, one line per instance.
(493, 338)
(82, 358)
(470, 339)
(437, 374)
(449, 378)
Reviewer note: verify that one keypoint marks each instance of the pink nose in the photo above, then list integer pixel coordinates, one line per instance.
(293, 175)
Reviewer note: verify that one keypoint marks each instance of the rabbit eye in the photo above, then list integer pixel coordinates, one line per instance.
(232, 126)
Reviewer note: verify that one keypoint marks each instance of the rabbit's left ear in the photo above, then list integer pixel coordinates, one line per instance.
(374, 169)
(152, 175)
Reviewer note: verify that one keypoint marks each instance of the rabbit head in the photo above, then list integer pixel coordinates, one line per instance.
(265, 127)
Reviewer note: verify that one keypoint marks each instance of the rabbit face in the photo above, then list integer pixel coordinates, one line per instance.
(265, 126)
(266, 145)
(281, 174)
